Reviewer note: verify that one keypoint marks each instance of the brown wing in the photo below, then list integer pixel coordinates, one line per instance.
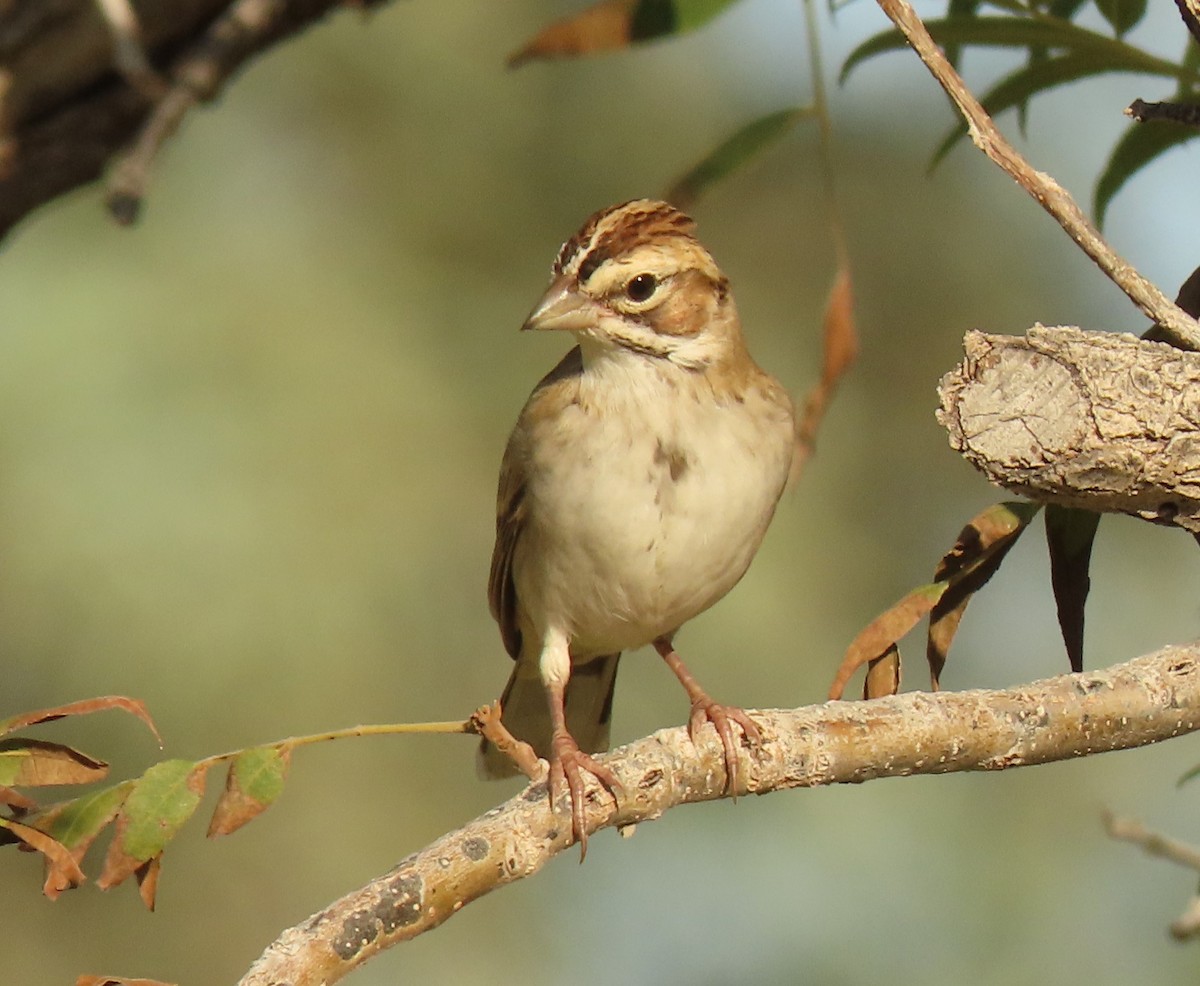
(511, 507)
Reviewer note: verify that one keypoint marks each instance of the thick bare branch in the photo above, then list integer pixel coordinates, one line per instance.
(1176, 324)
(1098, 420)
(1143, 701)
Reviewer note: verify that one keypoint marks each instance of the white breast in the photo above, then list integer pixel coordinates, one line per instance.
(647, 501)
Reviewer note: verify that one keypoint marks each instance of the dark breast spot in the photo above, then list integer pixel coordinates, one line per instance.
(673, 458)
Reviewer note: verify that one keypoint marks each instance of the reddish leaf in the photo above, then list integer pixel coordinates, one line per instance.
(840, 352)
(15, 799)
(62, 872)
(37, 763)
(147, 880)
(161, 800)
(883, 675)
(602, 27)
(254, 781)
(880, 635)
(1070, 533)
(974, 559)
(615, 23)
(84, 707)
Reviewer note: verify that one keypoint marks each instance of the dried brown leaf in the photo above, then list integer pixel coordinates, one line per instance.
(255, 779)
(38, 763)
(976, 556)
(879, 636)
(15, 799)
(62, 871)
(883, 675)
(601, 27)
(147, 880)
(84, 707)
(840, 352)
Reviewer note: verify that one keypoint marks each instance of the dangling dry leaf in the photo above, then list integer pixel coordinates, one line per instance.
(963, 570)
(974, 559)
(840, 352)
(879, 637)
(62, 871)
(883, 675)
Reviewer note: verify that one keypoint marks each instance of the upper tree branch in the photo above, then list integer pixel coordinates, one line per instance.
(1181, 328)
(1144, 701)
(1096, 420)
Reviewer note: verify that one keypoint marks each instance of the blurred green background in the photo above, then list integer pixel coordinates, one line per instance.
(247, 468)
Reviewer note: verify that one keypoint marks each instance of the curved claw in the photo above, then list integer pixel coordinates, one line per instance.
(721, 716)
(567, 765)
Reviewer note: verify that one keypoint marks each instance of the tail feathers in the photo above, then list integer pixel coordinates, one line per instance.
(527, 715)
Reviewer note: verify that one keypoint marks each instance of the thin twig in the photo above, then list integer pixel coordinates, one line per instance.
(129, 55)
(197, 77)
(1182, 329)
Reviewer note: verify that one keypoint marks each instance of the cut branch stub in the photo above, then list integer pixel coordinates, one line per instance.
(1102, 421)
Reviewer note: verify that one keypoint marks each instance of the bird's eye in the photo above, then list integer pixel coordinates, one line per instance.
(641, 287)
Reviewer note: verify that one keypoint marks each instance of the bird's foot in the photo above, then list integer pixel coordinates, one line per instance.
(722, 717)
(567, 766)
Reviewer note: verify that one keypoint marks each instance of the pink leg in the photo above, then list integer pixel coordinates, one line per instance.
(567, 764)
(703, 707)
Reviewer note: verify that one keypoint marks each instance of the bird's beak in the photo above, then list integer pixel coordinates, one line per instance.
(562, 308)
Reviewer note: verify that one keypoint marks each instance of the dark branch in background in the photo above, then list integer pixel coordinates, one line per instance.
(1143, 701)
(1187, 114)
(68, 108)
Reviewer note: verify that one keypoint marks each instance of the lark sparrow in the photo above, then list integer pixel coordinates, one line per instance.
(635, 489)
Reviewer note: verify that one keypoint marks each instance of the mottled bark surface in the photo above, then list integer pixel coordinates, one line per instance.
(1143, 701)
(1096, 420)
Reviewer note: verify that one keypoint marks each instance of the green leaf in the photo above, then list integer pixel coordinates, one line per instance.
(1070, 533)
(1122, 14)
(656, 18)
(254, 782)
(1025, 32)
(732, 153)
(1142, 143)
(76, 823)
(1040, 75)
(162, 799)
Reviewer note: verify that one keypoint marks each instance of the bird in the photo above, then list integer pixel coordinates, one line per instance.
(635, 488)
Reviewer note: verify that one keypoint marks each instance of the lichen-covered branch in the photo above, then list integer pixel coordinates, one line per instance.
(1176, 324)
(1098, 420)
(1146, 700)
